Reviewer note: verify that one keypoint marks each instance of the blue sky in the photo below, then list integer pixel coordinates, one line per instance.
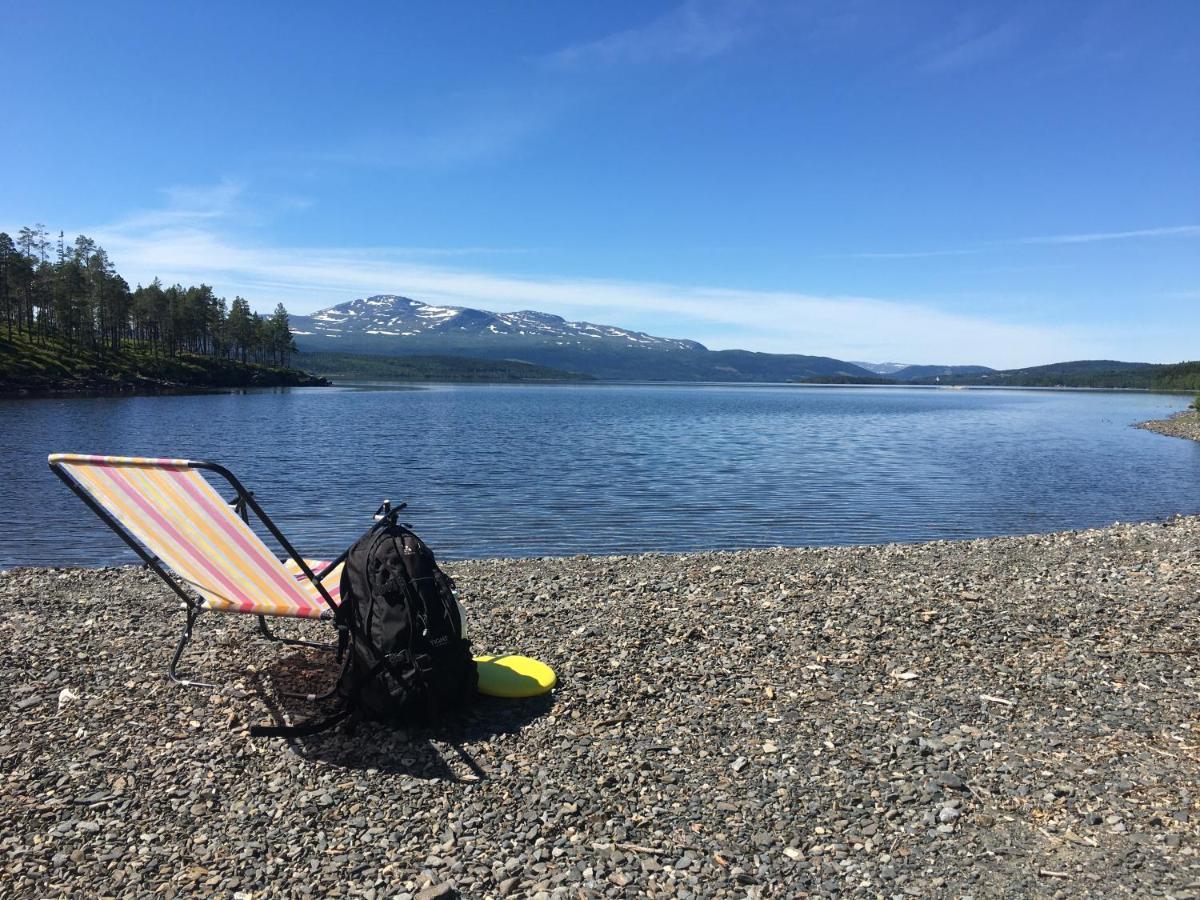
(1002, 183)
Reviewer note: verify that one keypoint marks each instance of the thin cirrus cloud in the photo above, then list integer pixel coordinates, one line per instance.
(448, 131)
(476, 135)
(1093, 237)
(1166, 231)
(970, 45)
(695, 30)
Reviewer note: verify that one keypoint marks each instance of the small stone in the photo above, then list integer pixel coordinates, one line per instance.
(443, 891)
(950, 780)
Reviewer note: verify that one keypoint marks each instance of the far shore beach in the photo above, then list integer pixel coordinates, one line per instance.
(1011, 716)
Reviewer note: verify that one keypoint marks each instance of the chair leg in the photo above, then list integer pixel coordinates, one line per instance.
(172, 670)
(271, 636)
(193, 613)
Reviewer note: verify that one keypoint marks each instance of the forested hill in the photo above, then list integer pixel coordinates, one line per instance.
(68, 320)
(1087, 373)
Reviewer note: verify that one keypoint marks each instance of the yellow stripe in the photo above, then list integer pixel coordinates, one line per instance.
(256, 565)
(137, 522)
(242, 568)
(172, 553)
(198, 526)
(157, 489)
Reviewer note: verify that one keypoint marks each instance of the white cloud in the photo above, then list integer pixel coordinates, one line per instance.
(200, 237)
(848, 327)
(187, 205)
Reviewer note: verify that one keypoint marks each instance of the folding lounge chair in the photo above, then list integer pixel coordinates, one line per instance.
(199, 544)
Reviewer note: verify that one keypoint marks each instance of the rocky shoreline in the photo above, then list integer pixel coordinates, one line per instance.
(98, 385)
(1014, 716)
(1185, 424)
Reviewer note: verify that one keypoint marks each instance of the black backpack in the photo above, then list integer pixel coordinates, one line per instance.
(408, 660)
(400, 623)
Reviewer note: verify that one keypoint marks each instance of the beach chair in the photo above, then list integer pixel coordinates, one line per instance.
(201, 545)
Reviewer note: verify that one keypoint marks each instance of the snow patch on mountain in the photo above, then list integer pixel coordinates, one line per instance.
(396, 316)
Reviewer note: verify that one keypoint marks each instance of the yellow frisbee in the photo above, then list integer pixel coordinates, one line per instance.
(514, 676)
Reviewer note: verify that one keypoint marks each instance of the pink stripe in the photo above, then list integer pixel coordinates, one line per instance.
(334, 589)
(241, 593)
(236, 594)
(254, 549)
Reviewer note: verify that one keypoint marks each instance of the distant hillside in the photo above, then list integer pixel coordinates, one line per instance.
(917, 373)
(1183, 376)
(1088, 373)
(391, 325)
(428, 368)
(50, 365)
(883, 368)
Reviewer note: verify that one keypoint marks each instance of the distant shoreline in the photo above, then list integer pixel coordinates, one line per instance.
(147, 387)
(134, 386)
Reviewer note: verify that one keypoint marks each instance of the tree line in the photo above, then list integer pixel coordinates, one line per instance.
(72, 292)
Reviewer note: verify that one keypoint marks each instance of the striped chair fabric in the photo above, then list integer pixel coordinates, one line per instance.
(173, 511)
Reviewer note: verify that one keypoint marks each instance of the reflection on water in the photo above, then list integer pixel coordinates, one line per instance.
(530, 471)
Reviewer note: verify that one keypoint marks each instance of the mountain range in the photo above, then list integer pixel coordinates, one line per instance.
(388, 325)
(391, 325)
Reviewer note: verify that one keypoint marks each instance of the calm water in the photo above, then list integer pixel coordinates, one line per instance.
(531, 471)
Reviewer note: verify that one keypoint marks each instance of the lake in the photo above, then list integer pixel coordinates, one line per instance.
(602, 469)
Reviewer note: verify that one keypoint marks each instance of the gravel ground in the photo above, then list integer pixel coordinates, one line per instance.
(1009, 717)
(1185, 424)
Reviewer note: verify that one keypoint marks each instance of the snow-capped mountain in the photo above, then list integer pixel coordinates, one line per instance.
(883, 368)
(390, 325)
(413, 325)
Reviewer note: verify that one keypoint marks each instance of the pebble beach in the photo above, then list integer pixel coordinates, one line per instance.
(1001, 717)
(1181, 425)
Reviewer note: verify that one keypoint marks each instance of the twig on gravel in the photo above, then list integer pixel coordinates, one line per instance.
(990, 699)
(1048, 873)
(1164, 652)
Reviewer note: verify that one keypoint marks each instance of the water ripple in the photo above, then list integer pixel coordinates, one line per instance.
(531, 471)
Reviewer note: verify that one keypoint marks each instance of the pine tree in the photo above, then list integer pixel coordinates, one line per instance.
(8, 250)
(79, 297)
(240, 326)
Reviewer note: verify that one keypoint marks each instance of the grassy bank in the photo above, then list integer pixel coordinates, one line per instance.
(53, 366)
